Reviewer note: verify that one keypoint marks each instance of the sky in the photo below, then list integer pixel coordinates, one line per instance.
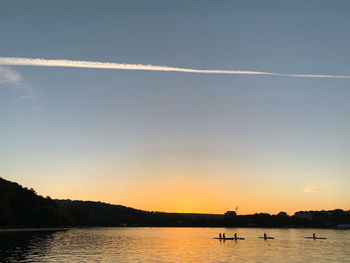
(178, 141)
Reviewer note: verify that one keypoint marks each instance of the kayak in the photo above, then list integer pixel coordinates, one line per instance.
(229, 238)
(267, 237)
(315, 237)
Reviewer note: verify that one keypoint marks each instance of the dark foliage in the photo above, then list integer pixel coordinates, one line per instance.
(22, 207)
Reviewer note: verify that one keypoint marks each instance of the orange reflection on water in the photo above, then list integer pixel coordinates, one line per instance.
(177, 245)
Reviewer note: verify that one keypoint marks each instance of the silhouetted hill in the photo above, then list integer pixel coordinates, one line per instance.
(22, 207)
(88, 213)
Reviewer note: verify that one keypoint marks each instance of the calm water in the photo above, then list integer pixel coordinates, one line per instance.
(173, 245)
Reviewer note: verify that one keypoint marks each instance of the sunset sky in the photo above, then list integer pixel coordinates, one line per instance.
(179, 141)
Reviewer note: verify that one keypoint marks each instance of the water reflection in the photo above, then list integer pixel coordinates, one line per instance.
(173, 245)
(18, 246)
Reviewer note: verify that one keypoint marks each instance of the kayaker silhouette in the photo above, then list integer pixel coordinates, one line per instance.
(235, 235)
(223, 235)
(314, 236)
(265, 235)
(220, 235)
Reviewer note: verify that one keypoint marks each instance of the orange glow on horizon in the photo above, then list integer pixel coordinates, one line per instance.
(186, 194)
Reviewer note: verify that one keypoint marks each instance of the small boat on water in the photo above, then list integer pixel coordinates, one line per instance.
(266, 237)
(230, 238)
(315, 237)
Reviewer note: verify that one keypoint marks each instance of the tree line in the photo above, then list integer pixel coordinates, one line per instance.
(23, 207)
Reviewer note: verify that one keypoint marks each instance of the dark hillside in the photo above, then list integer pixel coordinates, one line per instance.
(88, 213)
(22, 207)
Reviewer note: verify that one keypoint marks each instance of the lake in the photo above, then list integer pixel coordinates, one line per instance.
(173, 245)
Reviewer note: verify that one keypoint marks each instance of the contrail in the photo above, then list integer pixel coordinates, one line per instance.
(16, 61)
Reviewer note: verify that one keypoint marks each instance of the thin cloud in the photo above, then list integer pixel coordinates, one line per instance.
(16, 61)
(311, 190)
(9, 76)
(14, 80)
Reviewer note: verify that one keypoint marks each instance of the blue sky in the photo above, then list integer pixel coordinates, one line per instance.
(125, 136)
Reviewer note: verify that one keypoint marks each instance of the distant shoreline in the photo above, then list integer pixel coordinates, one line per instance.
(34, 229)
(2, 230)
(23, 208)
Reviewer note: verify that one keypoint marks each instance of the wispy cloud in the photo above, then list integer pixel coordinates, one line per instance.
(311, 190)
(16, 61)
(9, 76)
(14, 80)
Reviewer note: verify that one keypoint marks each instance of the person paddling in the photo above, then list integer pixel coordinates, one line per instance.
(314, 236)
(265, 236)
(235, 235)
(220, 236)
(223, 235)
